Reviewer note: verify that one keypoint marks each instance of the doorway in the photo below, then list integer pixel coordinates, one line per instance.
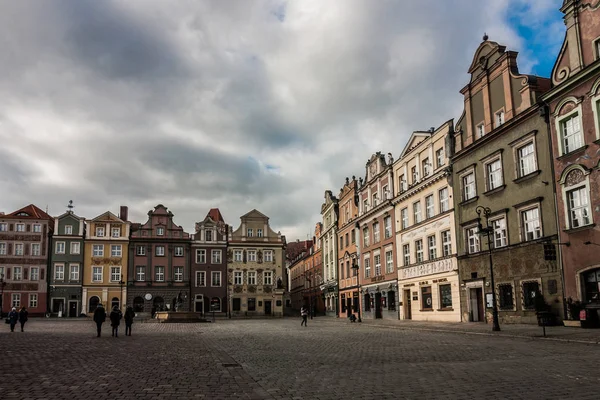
(267, 307)
(348, 307)
(378, 305)
(58, 306)
(407, 304)
(476, 304)
(72, 309)
(199, 303)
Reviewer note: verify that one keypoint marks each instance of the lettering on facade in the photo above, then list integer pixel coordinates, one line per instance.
(435, 267)
(378, 278)
(440, 280)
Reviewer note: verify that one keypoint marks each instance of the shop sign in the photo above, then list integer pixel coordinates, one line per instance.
(431, 268)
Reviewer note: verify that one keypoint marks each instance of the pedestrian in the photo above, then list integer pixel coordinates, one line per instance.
(153, 312)
(23, 317)
(13, 317)
(304, 313)
(99, 318)
(129, 315)
(115, 319)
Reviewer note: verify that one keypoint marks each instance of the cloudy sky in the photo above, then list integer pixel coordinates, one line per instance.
(233, 104)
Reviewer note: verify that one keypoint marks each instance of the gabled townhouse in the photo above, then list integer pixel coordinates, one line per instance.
(425, 241)
(378, 273)
(347, 252)
(502, 179)
(158, 275)
(314, 290)
(329, 213)
(295, 256)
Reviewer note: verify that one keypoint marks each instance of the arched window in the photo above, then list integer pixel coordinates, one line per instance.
(575, 184)
(138, 304)
(94, 301)
(115, 303)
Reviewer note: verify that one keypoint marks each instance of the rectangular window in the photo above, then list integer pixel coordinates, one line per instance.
(347, 241)
(426, 169)
(34, 274)
(200, 256)
(376, 232)
(259, 233)
(140, 273)
(251, 255)
(19, 249)
(215, 279)
(367, 268)
(251, 304)
(341, 242)
(33, 300)
(473, 240)
(115, 274)
(444, 200)
(98, 250)
(445, 296)
(417, 212)
(75, 248)
(160, 231)
(2, 249)
(3, 227)
(68, 229)
(37, 228)
(236, 304)
(386, 193)
(115, 250)
(505, 294)
(178, 274)
(426, 300)
(160, 250)
(377, 260)
(35, 249)
(100, 231)
(499, 118)
(216, 256)
(74, 273)
(60, 248)
(419, 250)
(238, 255)
(447, 243)
(526, 159)
(429, 207)
(432, 247)
(572, 136)
(16, 300)
(500, 237)
(480, 131)
(404, 217)
(494, 174)
(531, 224)
(414, 174)
(387, 226)
(406, 253)
(250, 232)
(159, 274)
(468, 184)
(366, 237)
(178, 251)
(389, 262)
(530, 291)
(59, 272)
(141, 250)
(17, 273)
(439, 156)
(353, 236)
(402, 183)
(200, 278)
(268, 277)
(579, 207)
(116, 232)
(20, 227)
(208, 235)
(251, 277)
(238, 278)
(268, 256)
(96, 274)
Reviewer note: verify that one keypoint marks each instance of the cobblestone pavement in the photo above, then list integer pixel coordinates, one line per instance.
(278, 359)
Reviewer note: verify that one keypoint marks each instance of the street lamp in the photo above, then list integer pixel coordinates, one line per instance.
(121, 283)
(2, 284)
(488, 230)
(355, 268)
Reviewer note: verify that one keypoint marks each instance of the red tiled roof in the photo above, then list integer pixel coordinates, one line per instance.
(294, 249)
(215, 215)
(32, 211)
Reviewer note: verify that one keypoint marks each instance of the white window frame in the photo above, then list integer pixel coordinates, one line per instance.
(59, 272)
(251, 255)
(376, 232)
(238, 278)
(366, 237)
(59, 248)
(140, 273)
(200, 256)
(115, 232)
(238, 255)
(585, 184)
(596, 106)
(377, 263)
(387, 227)
(250, 232)
(208, 235)
(159, 251)
(20, 249)
(480, 130)
(36, 249)
(251, 277)
(216, 257)
(74, 271)
(429, 206)
(178, 273)
(500, 233)
(160, 231)
(33, 300)
(200, 278)
(446, 242)
(3, 248)
(178, 251)
(268, 255)
(16, 300)
(560, 120)
(68, 229)
(493, 179)
(19, 227)
(97, 250)
(404, 217)
(419, 253)
(440, 157)
(75, 248)
(432, 247)
(116, 250)
(367, 262)
(159, 273)
(522, 225)
(217, 275)
(3, 227)
(499, 117)
(36, 228)
(115, 274)
(34, 274)
(473, 185)
(100, 231)
(472, 239)
(414, 172)
(141, 250)
(417, 215)
(97, 270)
(389, 261)
(406, 253)
(426, 167)
(268, 278)
(444, 201)
(259, 233)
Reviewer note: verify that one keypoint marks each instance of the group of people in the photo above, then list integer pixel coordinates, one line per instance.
(15, 316)
(115, 317)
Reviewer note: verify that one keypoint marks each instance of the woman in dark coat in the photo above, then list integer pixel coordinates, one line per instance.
(13, 317)
(129, 315)
(115, 319)
(23, 317)
(99, 318)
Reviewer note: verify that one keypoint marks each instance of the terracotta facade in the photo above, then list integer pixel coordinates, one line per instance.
(347, 251)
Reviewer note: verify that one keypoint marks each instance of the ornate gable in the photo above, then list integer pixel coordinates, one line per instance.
(107, 217)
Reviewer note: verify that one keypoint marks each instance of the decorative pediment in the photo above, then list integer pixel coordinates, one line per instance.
(254, 214)
(485, 55)
(107, 217)
(416, 138)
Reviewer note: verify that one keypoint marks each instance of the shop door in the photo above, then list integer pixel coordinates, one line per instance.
(348, 307)
(407, 305)
(72, 309)
(476, 304)
(378, 305)
(267, 307)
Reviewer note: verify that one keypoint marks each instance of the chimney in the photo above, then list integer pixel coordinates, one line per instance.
(123, 213)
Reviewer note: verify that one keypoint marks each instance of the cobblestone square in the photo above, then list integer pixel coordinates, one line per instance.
(278, 359)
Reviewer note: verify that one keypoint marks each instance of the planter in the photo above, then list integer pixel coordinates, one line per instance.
(572, 324)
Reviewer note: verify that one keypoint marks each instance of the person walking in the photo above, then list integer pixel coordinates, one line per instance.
(304, 313)
(13, 317)
(23, 317)
(99, 318)
(115, 319)
(129, 315)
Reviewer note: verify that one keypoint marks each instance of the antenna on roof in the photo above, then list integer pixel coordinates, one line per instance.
(70, 206)
(46, 208)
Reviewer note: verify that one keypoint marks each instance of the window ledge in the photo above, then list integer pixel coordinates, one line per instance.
(471, 200)
(574, 152)
(445, 309)
(495, 190)
(579, 228)
(527, 177)
(427, 310)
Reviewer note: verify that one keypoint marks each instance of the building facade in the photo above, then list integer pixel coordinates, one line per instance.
(209, 265)
(329, 247)
(255, 261)
(347, 252)
(106, 253)
(502, 162)
(314, 290)
(66, 265)
(574, 110)
(424, 211)
(378, 273)
(24, 258)
(158, 275)
(295, 255)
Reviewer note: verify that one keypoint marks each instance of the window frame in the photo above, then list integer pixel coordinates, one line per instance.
(417, 212)
(430, 247)
(36, 249)
(216, 257)
(406, 254)
(200, 280)
(68, 229)
(251, 277)
(501, 306)
(59, 272)
(212, 279)
(116, 230)
(158, 253)
(178, 273)
(140, 250)
(160, 231)
(489, 183)
(476, 248)
(480, 130)
(97, 250)
(446, 245)
(367, 264)
(98, 230)
(522, 290)
(566, 189)
(389, 261)
(33, 300)
(34, 274)
(95, 269)
(200, 256)
(377, 264)
(425, 166)
(268, 278)
(115, 270)
(236, 275)
(440, 157)
(444, 203)
(419, 251)
(376, 232)
(75, 247)
(3, 248)
(159, 270)
(595, 103)
(429, 206)
(440, 297)
(522, 225)
(140, 273)
(74, 272)
(387, 227)
(179, 252)
(404, 218)
(498, 122)
(56, 248)
(270, 255)
(494, 220)
(560, 120)
(463, 186)
(251, 255)
(116, 250)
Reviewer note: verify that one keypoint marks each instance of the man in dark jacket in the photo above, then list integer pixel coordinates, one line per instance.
(13, 317)
(99, 318)
(129, 315)
(115, 319)
(23, 317)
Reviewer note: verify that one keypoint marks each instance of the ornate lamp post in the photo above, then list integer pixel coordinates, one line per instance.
(2, 284)
(355, 268)
(488, 230)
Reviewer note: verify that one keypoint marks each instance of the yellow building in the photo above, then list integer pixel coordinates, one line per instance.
(105, 261)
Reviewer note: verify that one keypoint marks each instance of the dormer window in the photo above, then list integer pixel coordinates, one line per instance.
(100, 231)
(499, 118)
(208, 235)
(250, 232)
(68, 229)
(116, 232)
(160, 231)
(480, 131)
(425, 167)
